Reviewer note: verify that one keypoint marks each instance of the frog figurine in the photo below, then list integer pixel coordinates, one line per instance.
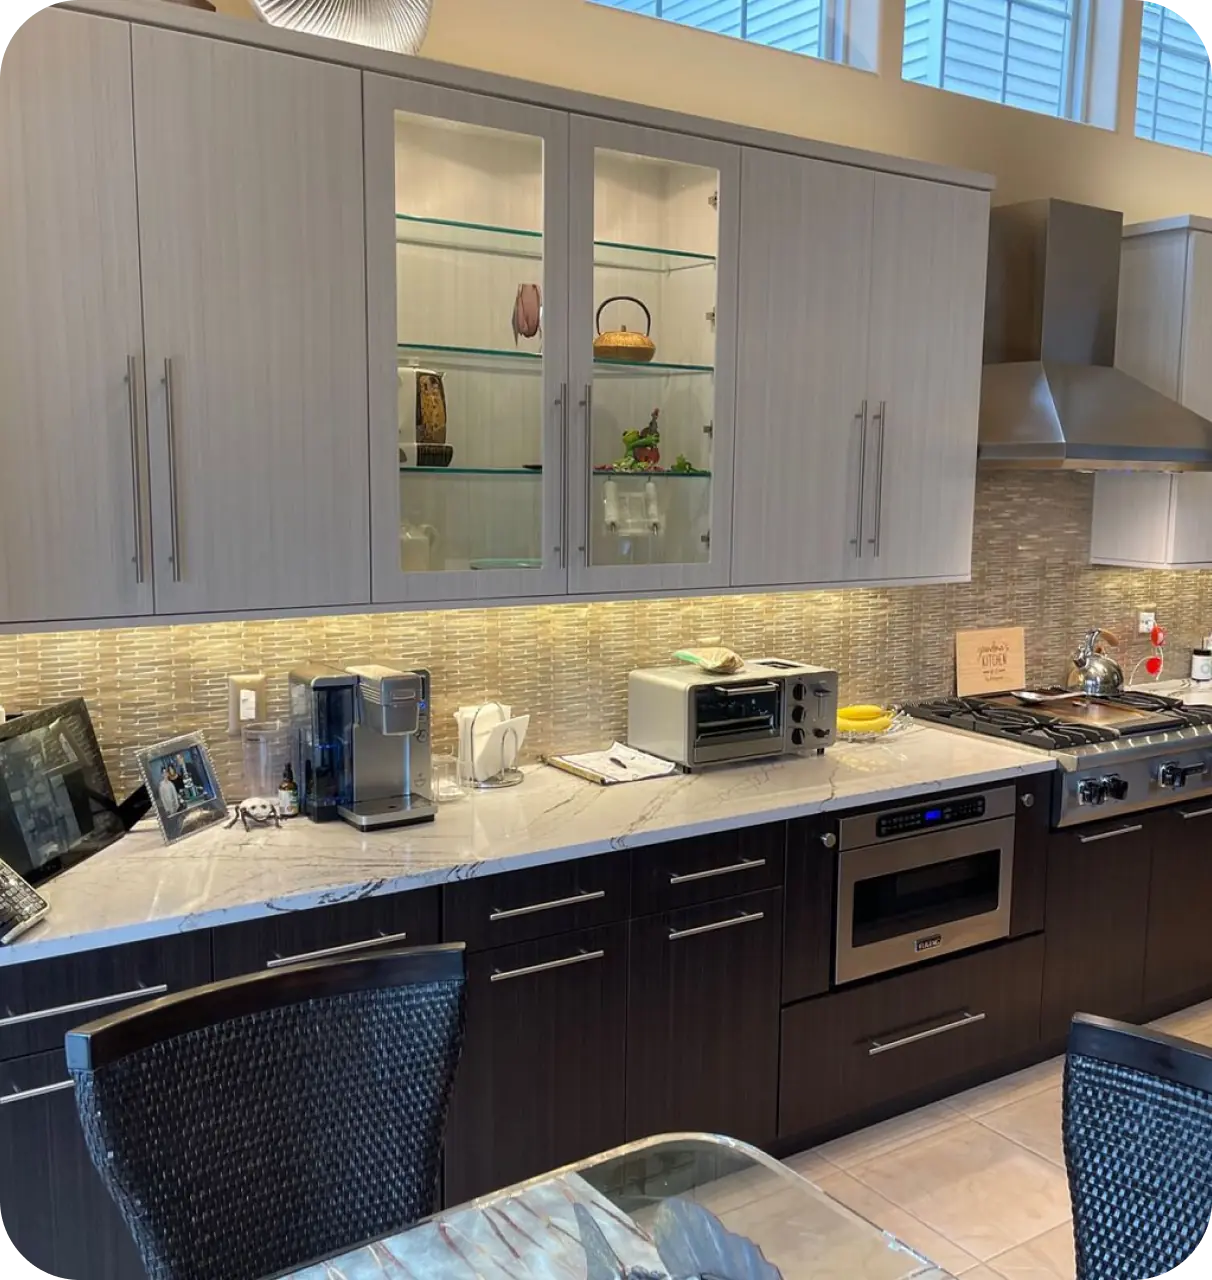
(643, 448)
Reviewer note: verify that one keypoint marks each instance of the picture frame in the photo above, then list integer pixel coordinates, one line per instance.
(182, 786)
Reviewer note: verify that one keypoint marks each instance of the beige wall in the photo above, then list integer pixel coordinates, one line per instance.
(580, 45)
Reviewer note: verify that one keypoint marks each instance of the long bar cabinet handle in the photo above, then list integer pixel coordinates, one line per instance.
(582, 957)
(1110, 835)
(384, 939)
(170, 426)
(587, 405)
(99, 1002)
(882, 418)
(563, 405)
(746, 917)
(966, 1019)
(587, 895)
(749, 864)
(857, 541)
(41, 1092)
(132, 382)
(1188, 814)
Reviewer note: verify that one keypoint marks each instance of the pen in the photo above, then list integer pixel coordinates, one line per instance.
(617, 761)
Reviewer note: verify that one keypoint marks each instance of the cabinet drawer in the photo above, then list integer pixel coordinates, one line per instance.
(846, 1053)
(685, 872)
(400, 920)
(42, 1001)
(500, 910)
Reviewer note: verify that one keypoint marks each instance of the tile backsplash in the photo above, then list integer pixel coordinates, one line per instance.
(566, 664)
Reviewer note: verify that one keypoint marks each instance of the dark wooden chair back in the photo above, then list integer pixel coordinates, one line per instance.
(249, 1127)
(1138, 1148)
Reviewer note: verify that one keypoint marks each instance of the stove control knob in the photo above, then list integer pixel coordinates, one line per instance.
(1175, 775)
(1100, 790)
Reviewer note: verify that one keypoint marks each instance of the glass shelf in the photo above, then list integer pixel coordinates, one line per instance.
(514, 242)
(652, 475)
(532, 362)
(472, 471)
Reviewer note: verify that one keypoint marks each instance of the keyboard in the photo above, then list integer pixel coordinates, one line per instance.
(21, 907)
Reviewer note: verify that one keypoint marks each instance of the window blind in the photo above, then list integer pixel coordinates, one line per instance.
(1172, 95)
(799, 26)
(1018, 52)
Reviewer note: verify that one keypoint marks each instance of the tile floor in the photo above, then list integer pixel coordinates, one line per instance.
(976, 1183)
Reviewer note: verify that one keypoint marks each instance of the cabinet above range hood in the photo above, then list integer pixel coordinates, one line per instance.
(1050, 394)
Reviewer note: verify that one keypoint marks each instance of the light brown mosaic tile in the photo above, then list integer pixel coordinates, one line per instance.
(567, 664)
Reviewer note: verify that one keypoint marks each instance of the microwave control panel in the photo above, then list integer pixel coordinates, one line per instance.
(923, 817)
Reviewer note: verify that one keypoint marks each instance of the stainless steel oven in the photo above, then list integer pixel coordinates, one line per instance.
(923, 880)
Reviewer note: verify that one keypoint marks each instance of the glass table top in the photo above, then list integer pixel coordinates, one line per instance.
(531, 1229)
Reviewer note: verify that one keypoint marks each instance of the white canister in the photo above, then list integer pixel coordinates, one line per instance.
(1201, 664)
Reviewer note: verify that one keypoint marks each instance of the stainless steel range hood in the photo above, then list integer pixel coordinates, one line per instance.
(1050, 395)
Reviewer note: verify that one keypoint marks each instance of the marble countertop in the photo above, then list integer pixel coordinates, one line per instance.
(138, 888)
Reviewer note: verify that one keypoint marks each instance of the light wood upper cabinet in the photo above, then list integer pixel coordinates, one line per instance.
(803, 314)
(1150, 519)
(929, 255)
(74, 530)
(862, 308)
(252, 237)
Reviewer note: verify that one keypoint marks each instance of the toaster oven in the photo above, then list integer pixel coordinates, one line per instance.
(694, 717)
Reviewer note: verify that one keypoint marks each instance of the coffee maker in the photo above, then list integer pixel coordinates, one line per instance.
(360, 741)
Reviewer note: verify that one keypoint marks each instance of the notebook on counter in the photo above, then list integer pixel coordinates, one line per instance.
(614, 765)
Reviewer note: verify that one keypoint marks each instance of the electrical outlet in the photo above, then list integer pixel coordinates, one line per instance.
(1146, 620)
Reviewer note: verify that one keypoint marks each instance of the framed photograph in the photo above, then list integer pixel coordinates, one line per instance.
(182, 786)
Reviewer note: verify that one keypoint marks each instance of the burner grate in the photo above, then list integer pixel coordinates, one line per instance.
(1019, 724)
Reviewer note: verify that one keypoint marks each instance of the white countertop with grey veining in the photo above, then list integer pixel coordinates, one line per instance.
(138, 888)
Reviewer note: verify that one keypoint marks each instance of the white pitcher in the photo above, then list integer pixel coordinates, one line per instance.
(418, 542)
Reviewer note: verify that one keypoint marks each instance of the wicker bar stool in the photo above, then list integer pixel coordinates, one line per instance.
(1138, 1147)
(251, 1126)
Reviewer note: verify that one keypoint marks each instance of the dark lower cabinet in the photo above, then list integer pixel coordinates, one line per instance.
(703, 1025)
(55, 1207)
(1178, 951)
(540, 1083)
(1096, 920)
(856, 1050)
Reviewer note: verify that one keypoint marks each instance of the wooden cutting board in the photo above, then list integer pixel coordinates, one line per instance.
(990, 661)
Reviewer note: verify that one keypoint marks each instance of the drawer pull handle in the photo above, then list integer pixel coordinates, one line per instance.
(36, 1093)
(576, 899)
(1110, 835)
(140, 993)
(1188, 814)
(746, 917)
(503, 975)
(966, 1019)
(749, 864)
(281, 962)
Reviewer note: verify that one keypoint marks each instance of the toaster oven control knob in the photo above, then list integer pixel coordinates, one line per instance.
(798, 714)
(818, 732)
(798, 692)
(797, 737)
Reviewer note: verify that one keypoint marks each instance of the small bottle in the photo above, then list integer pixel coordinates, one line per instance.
(288, 793)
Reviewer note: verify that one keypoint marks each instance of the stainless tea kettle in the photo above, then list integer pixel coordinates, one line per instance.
(1095, 673)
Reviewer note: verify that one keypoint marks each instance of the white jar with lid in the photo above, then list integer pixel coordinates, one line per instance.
(1201, 664)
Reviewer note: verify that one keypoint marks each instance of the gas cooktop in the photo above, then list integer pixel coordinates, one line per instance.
(1120, 753)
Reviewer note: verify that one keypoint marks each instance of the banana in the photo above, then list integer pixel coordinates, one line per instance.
(861, 711)
(877, 725)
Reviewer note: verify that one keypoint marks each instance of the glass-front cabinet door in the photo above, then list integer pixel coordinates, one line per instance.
(467, 258)
(652, 332)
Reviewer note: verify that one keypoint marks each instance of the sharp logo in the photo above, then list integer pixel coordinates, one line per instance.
(928, 944)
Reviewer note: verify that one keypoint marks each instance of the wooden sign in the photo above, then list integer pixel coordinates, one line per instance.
(990, 661)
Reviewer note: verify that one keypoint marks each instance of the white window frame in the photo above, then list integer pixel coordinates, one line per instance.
(1159, 47)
